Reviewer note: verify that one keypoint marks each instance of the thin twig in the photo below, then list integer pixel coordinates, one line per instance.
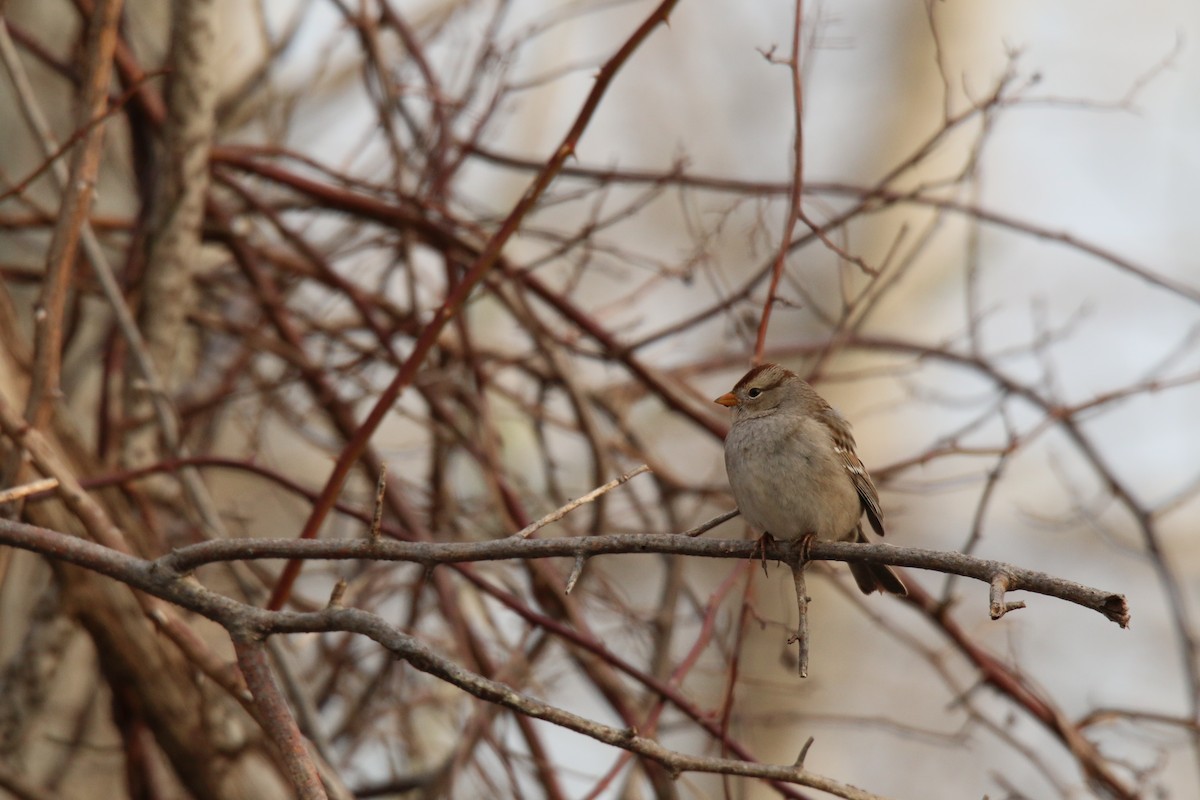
(380, 492)
(50, 313)
(576, 571)
(705, 527)
(27, 489)
(801, 636)
(796, 192)
(559, 513)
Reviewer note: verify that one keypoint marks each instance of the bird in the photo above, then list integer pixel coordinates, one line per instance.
(793, 469)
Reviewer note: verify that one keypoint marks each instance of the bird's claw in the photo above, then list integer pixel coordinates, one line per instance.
(760, 549)
(805, 546)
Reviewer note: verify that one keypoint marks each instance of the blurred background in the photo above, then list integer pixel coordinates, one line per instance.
(993, 278)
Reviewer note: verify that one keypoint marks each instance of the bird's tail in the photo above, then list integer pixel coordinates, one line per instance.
(873, 578)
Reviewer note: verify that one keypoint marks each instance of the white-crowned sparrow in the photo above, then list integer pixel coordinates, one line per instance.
(793, 470)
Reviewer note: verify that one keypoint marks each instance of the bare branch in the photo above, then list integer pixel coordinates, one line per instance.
(556, 515)
(279, 723)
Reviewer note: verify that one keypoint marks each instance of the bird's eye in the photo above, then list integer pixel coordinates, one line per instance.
(753, 393)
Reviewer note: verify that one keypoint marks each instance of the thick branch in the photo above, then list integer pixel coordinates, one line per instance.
(186, 559)
(242, 620)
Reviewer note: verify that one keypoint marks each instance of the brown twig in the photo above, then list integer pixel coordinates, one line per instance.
(278, 720)
(72, 215)
(796, 193)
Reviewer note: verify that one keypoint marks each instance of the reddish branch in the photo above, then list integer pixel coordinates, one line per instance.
(72, 213)
(459, 293)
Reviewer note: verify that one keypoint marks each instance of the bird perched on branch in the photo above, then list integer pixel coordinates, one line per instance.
(793, 470)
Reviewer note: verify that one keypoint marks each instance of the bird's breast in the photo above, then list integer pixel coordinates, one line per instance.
(788, 481)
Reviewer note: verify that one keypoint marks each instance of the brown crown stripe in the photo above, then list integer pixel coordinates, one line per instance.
(754, 373)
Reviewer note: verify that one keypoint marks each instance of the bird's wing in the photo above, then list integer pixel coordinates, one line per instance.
(843, 445)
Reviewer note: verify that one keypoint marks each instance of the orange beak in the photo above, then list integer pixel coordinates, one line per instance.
(729, 400)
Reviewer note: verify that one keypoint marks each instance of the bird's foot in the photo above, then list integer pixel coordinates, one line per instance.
(760, 549)
(805, 544)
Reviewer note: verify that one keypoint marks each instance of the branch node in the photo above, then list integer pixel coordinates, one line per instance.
(799, 762)
(997, 605)
(335, 596)
(576, 571)
(380, 489)
(1116, 608)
